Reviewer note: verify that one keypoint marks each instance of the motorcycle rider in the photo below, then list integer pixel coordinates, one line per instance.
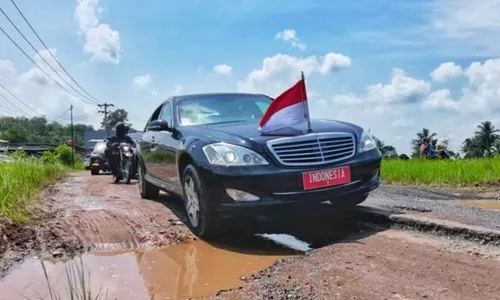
(120, 136)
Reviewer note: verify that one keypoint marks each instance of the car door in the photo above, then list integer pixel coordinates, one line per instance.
(147, 144)
(167, 146)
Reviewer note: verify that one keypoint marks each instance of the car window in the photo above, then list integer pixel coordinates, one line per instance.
(263, 105)
(210, 109)
(166, 113)
(154, 116)
(99, 147)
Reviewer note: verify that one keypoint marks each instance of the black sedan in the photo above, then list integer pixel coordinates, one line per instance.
(207, 149)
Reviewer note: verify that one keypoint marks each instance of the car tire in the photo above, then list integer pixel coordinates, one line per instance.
(208, 222)
(94, 171)
(146, 189)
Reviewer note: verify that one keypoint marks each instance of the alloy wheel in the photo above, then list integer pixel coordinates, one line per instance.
(192, 202)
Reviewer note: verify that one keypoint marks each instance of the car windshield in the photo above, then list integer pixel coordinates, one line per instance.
(99, 147)
(211, 109)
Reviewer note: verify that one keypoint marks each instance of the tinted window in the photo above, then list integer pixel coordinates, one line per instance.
(166, 113)
(99, 147)
(154, 116)
(221, 109)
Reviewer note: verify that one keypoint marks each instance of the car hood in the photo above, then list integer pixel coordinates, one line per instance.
(244, 133)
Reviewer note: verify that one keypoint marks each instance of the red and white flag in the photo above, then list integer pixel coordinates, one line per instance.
(288, 109)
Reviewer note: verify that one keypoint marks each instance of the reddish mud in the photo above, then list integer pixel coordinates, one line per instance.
(387, 265)
(186, 270)
(90, 212)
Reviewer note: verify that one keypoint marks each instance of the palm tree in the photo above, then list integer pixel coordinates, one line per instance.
(424, 134)
(470, 148)
(386, 150)
(486, 137)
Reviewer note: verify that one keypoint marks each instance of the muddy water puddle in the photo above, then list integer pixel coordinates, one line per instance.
(194, 269)
(484, 204)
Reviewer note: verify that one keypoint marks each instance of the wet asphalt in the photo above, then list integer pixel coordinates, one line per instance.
(436, 201)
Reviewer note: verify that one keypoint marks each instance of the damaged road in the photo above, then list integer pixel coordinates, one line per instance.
(141, 249)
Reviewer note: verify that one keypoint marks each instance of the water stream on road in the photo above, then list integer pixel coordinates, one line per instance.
(484, 204)
(186, 270)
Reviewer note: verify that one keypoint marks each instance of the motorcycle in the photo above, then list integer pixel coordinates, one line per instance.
(122, 155)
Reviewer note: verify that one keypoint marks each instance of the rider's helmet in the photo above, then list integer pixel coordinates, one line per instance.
(120, 129)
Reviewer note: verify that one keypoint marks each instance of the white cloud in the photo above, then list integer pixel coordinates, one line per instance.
(223, 69)
(347, 99)
(402, 123)
(43, 96)
(100, 39)
(483, 92)
(144, 83)
(471, 24)
(402, 88)
(440, 99)
(279, 71)
(334, 61)
(7, 68)
(446, 71)
(289, 35)
(177, 90)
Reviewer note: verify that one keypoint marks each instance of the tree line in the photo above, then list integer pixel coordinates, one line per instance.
(484, 143)
(40, 130)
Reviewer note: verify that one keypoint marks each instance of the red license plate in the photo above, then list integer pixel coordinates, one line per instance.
(324, 178)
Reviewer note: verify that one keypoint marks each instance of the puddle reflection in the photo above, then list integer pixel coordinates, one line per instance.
(187, 270)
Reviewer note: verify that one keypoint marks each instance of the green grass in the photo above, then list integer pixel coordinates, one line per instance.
(463, 172)
(21, 181)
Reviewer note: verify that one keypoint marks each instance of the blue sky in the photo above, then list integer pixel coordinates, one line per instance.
(390, 66)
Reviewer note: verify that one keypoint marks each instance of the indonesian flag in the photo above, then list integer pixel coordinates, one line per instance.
(288, 109)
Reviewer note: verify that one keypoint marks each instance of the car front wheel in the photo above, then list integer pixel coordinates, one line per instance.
(202, 219)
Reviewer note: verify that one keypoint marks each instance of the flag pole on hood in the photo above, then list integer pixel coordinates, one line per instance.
(305, 103)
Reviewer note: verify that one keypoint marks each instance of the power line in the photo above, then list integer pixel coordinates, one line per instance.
(13, 105)
(17, 98)
(46, 74)
(43, 58)
(51, 54)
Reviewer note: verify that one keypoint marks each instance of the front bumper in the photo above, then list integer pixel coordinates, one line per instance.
(280, 186)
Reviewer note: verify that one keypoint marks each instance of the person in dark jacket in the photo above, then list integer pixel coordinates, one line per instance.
(120, 136)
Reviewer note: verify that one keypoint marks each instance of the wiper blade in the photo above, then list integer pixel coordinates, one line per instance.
(224, 122)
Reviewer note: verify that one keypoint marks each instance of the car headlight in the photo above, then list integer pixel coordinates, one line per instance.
(366, 142)
(224, 154)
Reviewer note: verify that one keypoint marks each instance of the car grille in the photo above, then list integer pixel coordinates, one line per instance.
(313, 149)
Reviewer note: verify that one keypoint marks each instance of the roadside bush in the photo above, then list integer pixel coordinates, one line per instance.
(19, 154)
(63, 153)
(49, 157)
(21, 180)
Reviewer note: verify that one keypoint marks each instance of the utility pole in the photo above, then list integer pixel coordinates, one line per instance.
(105, 112)
(72, 139)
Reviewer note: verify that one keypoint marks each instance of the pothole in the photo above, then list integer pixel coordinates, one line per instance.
(193, 269)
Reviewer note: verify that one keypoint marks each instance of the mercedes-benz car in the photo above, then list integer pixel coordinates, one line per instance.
(207, 148)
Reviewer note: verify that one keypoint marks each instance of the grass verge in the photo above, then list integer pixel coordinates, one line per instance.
(453, 173)
(20, 181)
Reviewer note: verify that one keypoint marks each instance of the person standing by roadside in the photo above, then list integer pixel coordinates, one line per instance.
(424, 148)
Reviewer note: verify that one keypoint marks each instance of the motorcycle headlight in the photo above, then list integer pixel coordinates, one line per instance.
(366, 143)
(223, 154)
(126, 148)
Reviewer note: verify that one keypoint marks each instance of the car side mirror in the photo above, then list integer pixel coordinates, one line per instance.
(158, 125)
